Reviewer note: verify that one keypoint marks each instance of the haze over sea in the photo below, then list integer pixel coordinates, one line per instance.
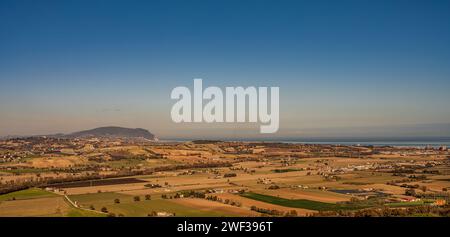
(420, 142)
(398, 142)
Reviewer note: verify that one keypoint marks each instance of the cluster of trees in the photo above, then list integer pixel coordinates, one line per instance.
(135, 198)
(154, 213)
(409, 186)
(105, 210)
(138, 199)
(229, 175)
(14, 188)
(274, 186)
(443, 195)
(390, 212)
(192, 194)
(153, 185)
(226, 201)
(411, 178)
(110, 214)
(411, 191)
(274, 212)
(198, 194)
(164, 196)
(285, 170)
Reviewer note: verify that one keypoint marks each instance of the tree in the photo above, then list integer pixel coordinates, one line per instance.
(354, 199)
(410, 192)
(92, 207)
(111, 215)
(423, 188)
(274, 186)
(227, 175)
(291, 213)
(116, 200)
(137, 198)
(147, 197)
(104, 209)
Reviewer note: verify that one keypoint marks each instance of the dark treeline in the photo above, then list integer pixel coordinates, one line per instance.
(443, 211)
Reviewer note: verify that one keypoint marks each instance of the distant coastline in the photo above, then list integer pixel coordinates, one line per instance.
(420, 142)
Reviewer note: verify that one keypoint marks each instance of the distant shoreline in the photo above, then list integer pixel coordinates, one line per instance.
(417, 142)
(395, 142)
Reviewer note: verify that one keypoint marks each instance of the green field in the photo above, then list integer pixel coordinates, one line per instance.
(405, 204)
(301, 203)
(38, 202)
(27, 194)
(129, 207)
(74, 212)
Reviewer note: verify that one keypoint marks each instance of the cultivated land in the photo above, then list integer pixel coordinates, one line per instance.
(42, 176)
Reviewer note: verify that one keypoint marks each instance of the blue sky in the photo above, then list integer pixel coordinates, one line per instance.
(347, 66)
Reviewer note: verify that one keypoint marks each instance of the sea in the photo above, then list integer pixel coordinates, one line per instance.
(419, 142)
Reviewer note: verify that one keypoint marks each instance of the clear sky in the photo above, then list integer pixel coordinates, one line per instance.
(344, 68)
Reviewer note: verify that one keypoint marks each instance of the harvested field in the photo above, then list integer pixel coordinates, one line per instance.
(50, 206)
(205, 205)
(57, 162)
(248, 203)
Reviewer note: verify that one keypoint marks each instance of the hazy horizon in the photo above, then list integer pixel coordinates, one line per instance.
(396, 133)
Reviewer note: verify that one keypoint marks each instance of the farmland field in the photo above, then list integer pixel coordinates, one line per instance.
(129, 207)
(298, 203)
(226, 179)
(27, 194)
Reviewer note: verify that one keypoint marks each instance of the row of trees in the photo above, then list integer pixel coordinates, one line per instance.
(135, 198)
(391, 212)
(274, 212)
